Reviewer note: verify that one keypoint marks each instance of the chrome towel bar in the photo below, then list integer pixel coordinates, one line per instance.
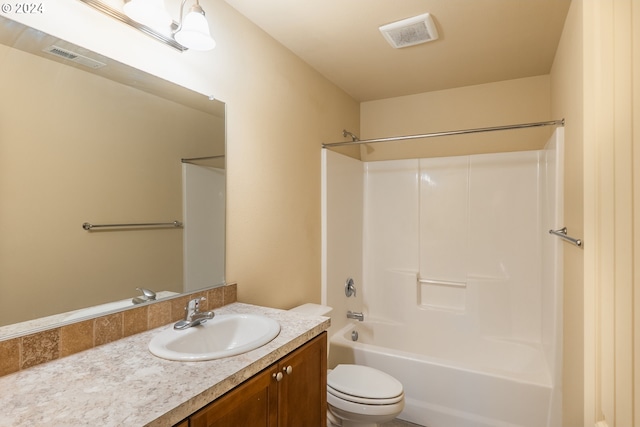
(88, 226)
(562, 233)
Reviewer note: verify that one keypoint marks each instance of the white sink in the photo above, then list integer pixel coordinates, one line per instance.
(224, 335)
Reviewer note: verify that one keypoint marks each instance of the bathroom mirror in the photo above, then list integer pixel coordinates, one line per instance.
(84, 138)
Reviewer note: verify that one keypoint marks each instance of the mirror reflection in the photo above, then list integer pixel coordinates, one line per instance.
(84, 138)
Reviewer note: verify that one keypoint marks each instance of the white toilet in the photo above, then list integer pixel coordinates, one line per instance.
(358, 396)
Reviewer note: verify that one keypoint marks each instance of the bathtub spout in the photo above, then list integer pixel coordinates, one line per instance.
(354, 315)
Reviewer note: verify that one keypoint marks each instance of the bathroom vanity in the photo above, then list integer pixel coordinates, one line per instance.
(291, 392)
(123, 384)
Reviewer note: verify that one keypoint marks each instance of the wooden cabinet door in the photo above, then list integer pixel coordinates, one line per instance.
(291, 393)
(251, 404)
(302, 392)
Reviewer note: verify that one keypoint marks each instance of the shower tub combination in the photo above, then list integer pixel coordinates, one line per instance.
(458, 278)
(449, 383)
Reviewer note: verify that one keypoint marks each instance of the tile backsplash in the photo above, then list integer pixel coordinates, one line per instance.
(41, 347)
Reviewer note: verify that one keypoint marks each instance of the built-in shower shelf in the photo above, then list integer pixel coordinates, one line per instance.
(442, 294)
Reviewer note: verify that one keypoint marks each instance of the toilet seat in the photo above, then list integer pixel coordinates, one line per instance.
(362, 400)
(364, 385)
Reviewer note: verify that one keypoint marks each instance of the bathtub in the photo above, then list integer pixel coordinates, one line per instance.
(483, 382)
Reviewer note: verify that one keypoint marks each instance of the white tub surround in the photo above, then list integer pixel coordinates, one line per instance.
(123, 384)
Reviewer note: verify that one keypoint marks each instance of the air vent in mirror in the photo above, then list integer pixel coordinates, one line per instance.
(73, 56)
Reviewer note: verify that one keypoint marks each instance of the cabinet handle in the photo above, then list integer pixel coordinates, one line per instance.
(288, 370)
(278, 376)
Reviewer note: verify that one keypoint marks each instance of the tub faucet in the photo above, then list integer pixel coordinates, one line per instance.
(193, 316)
(354, 315)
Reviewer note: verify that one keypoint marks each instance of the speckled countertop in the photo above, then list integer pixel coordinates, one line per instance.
(123, 384)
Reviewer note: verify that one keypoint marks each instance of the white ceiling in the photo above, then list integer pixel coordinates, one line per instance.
(481, 41)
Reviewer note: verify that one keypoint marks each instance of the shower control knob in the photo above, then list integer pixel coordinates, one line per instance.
(278, 376)
(288, 370)
(349, 288)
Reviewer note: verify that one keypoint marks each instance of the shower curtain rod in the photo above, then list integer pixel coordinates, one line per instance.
(448, 133)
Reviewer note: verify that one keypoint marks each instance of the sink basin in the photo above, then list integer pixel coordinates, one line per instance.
(224, 335)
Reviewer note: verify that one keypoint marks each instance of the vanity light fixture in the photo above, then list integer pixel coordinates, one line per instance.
(151, 17)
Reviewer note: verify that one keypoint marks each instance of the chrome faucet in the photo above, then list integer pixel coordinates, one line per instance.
(193, 316)
(355, 315)
(147, 295)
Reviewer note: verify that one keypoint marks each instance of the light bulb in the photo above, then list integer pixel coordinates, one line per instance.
(194, 32)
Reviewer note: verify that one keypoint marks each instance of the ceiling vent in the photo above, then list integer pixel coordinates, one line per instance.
(410, 31)
(74, 57)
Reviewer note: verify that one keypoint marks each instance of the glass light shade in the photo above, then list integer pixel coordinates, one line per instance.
(194, 32)
(148, 12)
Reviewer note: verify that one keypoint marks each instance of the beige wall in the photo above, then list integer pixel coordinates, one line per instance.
(493, 104)
(567, 101)
(79, 148)
(279, 111)
(596, 82)
(611, 143)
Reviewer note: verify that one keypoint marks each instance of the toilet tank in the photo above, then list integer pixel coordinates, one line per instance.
(312, 309)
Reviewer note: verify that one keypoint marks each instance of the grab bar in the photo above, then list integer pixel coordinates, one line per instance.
(443, 283)
(562, 233)
(88, 226)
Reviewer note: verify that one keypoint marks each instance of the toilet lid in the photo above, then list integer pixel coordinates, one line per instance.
(363, 381)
